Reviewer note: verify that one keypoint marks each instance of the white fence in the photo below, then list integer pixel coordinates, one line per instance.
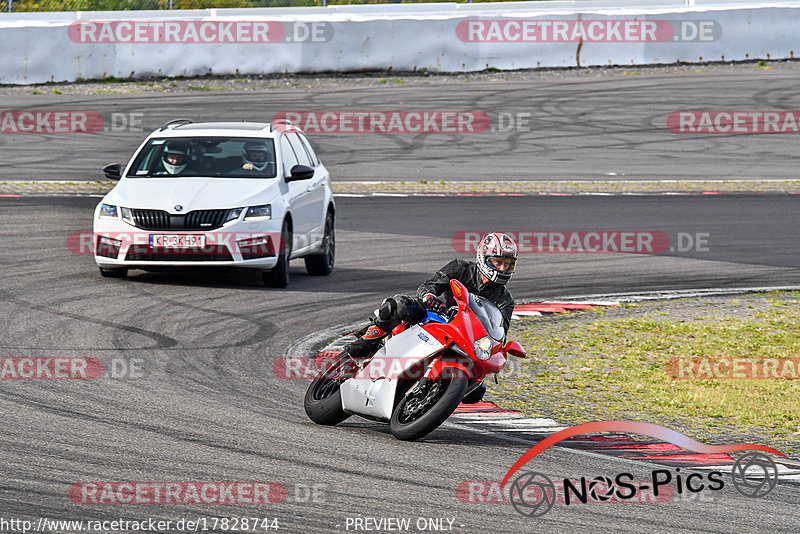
(41, 47)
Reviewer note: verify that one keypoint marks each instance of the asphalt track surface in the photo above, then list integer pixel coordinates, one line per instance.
(208, 407)
(608, 127)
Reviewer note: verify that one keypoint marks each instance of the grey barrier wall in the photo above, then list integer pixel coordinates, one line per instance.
(41, 47)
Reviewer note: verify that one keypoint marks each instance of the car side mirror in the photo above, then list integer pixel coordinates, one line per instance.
(300, 172)
(113, 171)
(514, 349)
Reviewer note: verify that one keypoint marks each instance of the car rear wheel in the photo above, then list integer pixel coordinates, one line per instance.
(321, 263)
(113, 273)
(279, 275)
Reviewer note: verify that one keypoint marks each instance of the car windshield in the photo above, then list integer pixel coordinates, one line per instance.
(224, 157)
(489, 316)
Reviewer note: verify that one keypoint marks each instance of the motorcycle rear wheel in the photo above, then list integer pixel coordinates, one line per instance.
(420, 412)
(323, 401)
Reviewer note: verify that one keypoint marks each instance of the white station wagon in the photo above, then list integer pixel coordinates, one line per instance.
(239, 194)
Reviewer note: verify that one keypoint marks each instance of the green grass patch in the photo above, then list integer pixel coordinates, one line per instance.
(589, 368)
(113, 79)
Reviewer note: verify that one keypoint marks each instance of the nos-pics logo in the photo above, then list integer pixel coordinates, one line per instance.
(533, 494)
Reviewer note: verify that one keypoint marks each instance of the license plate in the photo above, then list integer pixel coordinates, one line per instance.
(177, 241)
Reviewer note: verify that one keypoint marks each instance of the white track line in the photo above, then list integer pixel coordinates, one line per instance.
(675, 294)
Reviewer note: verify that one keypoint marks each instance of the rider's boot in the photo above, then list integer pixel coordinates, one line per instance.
(367, 345)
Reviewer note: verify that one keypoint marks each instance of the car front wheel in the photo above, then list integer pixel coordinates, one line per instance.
(279, 275)
(321, 263)
(113, 273)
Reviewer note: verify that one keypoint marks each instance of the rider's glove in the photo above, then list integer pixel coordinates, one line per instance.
(433, 303)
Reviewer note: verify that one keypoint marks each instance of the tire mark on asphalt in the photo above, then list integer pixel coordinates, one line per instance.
(161, 340)
(185, 436)
(212, 440)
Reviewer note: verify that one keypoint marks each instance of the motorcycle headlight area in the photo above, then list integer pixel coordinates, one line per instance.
(483, 348)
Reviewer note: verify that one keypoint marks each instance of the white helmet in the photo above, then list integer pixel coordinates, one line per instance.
(497, 257)
(175, 157)
(256, 154)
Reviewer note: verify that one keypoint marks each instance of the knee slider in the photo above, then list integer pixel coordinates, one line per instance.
(388, 309)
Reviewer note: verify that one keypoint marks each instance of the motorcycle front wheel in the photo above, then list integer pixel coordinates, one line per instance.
(427, 405)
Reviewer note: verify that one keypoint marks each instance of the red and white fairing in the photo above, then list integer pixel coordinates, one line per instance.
(427, 350)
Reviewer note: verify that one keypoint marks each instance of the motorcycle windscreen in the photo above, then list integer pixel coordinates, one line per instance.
(489, 316)
(373, 390)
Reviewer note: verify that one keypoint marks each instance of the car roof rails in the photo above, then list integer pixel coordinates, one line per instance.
(174, 122)
(282, 121)
(266, 125)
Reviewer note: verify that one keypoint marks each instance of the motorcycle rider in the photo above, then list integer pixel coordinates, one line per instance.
(486, 277)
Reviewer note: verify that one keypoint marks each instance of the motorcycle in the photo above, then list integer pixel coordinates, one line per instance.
(417, 379)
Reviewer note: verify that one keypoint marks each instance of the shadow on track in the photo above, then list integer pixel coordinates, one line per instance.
(341, 280)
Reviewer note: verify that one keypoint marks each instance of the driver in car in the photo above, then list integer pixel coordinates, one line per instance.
(487, 277)
(175, 157)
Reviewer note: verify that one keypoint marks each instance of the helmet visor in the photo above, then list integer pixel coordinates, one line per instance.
(174, 158)
(503, 264)
(257, 155)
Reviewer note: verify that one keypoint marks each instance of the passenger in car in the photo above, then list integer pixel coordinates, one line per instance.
(257, 160)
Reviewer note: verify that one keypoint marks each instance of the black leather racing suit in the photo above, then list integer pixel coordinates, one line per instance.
(467, 273)
(412, 310)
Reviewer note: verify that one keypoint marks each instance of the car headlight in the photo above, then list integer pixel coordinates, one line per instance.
(232, 216)
(483, 348)
(127, 216)
(258, 213)
(107, 211)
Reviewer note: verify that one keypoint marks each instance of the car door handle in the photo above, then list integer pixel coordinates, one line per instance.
(310, 188)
